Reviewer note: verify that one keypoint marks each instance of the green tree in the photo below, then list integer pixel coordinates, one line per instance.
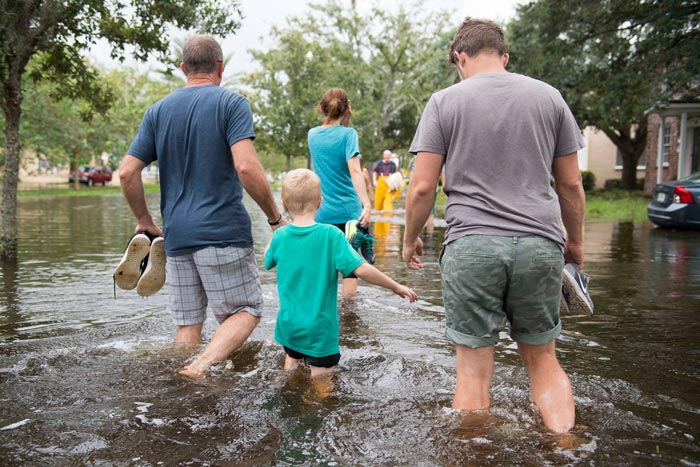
(62, 129)
(612, 60)
(55, 33)
(388, 62)
(285, 90)
(134, 93)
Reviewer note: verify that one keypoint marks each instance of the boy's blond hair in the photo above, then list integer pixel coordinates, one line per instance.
(301, 191)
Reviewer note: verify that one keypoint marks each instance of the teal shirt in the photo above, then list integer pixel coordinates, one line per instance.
(308, 260)
(331, 148)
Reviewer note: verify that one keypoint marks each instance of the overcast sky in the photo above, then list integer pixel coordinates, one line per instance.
(261, 15)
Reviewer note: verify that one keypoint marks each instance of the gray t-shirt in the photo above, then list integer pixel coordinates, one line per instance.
(499, 133)
(190, 133)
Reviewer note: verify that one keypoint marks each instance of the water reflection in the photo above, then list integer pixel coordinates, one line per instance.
(91, 380)
(9, 299)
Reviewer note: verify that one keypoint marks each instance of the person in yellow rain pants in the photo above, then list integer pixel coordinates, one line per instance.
(383, 196)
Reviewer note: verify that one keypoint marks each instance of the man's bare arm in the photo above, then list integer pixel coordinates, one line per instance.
(572, 200)
(132, 188)
(252, 176)
(419, 202)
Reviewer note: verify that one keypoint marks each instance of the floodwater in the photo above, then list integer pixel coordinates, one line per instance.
(89, 380)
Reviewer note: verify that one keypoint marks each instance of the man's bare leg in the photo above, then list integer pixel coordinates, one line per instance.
(551, 389)
(230, 335)
(191, 334)
(474, 372)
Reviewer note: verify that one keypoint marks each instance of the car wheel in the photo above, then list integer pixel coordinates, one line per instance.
(105, 182)
(90, 182)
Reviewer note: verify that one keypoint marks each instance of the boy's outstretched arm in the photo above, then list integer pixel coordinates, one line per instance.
(369, 273)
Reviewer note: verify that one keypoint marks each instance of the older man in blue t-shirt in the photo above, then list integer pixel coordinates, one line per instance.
(201, 136)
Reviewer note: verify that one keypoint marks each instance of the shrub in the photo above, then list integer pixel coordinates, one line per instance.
(616, 184)
(588, 180)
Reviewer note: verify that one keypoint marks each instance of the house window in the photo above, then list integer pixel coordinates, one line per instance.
(667, 143)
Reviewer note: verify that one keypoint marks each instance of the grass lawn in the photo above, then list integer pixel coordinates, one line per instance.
(617, 205)
(83, 191)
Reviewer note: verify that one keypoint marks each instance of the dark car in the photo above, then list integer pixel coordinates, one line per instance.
(92, 175)
(676, 204)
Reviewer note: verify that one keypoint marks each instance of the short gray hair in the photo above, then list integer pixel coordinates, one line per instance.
(201, 54)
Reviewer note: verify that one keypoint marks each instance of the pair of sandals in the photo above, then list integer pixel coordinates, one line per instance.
(142, 266)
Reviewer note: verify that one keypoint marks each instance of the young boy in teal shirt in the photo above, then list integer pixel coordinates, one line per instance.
(308, 257)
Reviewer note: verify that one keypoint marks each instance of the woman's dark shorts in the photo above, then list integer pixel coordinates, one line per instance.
(328, 361)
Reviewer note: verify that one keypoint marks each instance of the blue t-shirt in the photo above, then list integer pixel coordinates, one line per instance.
(331, 148)
(307, 285)
(384, 169)
(190, 133)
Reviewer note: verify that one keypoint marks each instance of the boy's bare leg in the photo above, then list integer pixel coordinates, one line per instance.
(291, 363)
(322, 381)
(551, 389)
(349, 287)
(474, 372)
(320, 371)
(230, 335)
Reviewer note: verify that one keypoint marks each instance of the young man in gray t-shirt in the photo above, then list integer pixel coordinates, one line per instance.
(503, 137)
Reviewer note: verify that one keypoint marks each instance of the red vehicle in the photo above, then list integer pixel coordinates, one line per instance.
(92, 175)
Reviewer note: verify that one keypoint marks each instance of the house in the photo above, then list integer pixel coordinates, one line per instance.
(676, 149)
(602, 157)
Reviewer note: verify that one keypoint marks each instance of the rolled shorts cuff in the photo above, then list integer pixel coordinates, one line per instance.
(186, 322)
(539, 338)
(219, 318)
(248, 309)
(472, 342)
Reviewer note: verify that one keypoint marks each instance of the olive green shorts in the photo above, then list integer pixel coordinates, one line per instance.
(489, 281)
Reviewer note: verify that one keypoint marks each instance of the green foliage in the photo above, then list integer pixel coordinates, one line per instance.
(619, 205)
(616, 184)
(611, 60)
(54, 34)
(134, 94)
(274, 164)
(389, 63)
(61, 31)
(588, 179)
(57, 129)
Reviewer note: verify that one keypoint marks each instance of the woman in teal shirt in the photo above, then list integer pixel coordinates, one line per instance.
(335, 153)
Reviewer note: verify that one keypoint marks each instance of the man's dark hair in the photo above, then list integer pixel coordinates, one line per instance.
(475, 36)
(201, 54)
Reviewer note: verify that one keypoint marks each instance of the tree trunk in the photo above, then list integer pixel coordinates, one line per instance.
(8, 244)
(289, 162)
(630, 141)
(74, 170)
(630, 160)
